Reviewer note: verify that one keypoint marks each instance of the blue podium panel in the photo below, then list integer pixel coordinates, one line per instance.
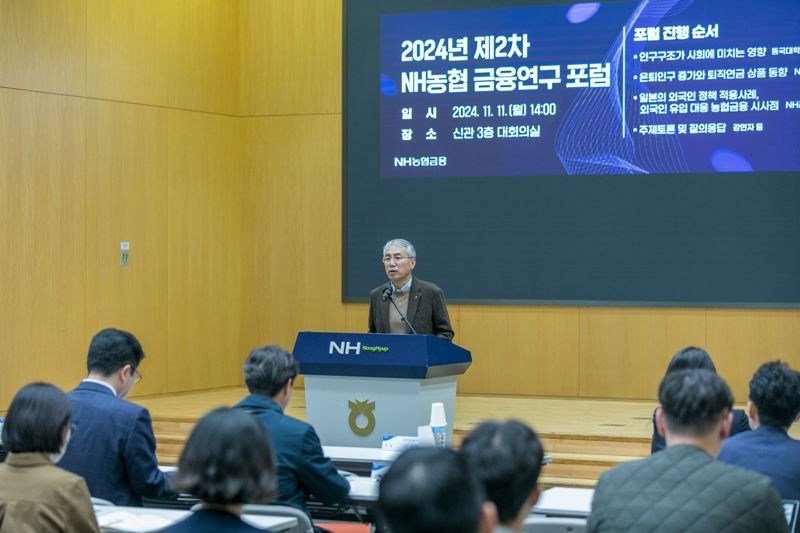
(360, 387)
(379, 355)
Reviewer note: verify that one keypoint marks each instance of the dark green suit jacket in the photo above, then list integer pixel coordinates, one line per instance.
(683, 489)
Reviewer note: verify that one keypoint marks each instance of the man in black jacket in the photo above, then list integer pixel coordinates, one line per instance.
(303, 469)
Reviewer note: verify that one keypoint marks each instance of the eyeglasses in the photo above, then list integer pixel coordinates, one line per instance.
(396, 258)
(137, 376)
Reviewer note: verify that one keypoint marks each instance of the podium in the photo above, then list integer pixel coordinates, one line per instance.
(360, 387)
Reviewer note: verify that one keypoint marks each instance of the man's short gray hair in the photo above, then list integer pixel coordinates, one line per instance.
(401, 243)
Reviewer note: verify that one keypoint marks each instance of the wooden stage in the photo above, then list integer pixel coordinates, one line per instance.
(584, 437)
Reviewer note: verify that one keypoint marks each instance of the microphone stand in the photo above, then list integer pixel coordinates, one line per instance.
(402, 315)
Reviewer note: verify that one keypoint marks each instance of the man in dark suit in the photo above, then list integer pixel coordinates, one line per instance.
(422, 303)
(433, 490)
(114, 447)
(303, 469)
(773, 406)
(507, 458)
(683, 488)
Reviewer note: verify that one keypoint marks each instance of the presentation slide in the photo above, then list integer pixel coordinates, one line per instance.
(591, 89)
(546, 152)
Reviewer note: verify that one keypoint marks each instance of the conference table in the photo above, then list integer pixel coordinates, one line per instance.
(556, 501)
(119, 519)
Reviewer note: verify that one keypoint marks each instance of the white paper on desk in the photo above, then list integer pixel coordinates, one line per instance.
(129, 522)
(395, 443)
(425, 436)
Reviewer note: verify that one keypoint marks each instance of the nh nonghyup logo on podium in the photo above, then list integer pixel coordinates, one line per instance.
(344, 348)
(353, 348)
(365, 408)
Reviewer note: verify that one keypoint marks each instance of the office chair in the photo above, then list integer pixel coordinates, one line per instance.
(303, 521)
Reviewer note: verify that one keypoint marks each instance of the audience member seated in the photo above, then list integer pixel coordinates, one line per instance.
(683, 488)
(506, 457)
(433, 490)
(35, 495)
(688, 358)
(773, 406)
(115, 449)
(303, 469)
(227, 462)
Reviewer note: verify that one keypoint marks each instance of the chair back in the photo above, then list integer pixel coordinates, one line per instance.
(552, 524)
(791, 508)
(304, 524)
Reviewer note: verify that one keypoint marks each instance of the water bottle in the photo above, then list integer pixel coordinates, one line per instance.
(439, 424)
(2, 420)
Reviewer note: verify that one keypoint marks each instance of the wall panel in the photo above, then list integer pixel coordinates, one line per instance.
(43, 45)
(42, 233)
(520, 350)
(204, 247)
(291, 57)
(292, 262)
(204, 55)
(740, 340)
(624, 352)
(127, 48)
(126, 200)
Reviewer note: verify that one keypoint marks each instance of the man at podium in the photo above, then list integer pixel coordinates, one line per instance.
(407, 304)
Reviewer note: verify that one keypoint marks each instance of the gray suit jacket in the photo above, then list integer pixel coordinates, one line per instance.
(427, 310)
(683, 489)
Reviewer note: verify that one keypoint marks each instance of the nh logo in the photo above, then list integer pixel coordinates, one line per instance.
(344, 348)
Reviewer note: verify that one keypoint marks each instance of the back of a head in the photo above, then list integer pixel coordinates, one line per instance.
(693, 401)
(430, 490)
(112, 349)
(506, 457)
(227, 460)
(37, 419)
(775, 391)
(268, 369)
(689, 358)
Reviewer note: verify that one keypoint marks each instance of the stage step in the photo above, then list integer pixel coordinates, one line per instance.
(577, 460)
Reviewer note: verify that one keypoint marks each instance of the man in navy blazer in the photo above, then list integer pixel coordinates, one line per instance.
(303, 469)
(773, 406)
(113, 448)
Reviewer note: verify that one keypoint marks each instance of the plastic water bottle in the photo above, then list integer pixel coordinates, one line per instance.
(439, 424)
(2, 420)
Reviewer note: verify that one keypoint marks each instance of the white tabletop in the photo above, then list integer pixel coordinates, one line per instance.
(142, 519)
(363, 489)
(562, 501)
(356, 454)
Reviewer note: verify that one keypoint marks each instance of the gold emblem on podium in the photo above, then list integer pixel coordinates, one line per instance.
(361, 408)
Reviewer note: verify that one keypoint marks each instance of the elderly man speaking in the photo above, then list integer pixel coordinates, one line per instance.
(407, 304)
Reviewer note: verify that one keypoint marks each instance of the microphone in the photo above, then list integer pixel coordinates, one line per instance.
(387, 293)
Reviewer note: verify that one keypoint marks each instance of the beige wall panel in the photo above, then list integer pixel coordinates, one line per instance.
(356, 318)
(520, 350)
(127, 50)
(43, 259)
(126, 200)
(204, 250)
(292, 260)
(43, 45)
(291, 57)
(741, 340)
(624, 352)
(204, 55)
